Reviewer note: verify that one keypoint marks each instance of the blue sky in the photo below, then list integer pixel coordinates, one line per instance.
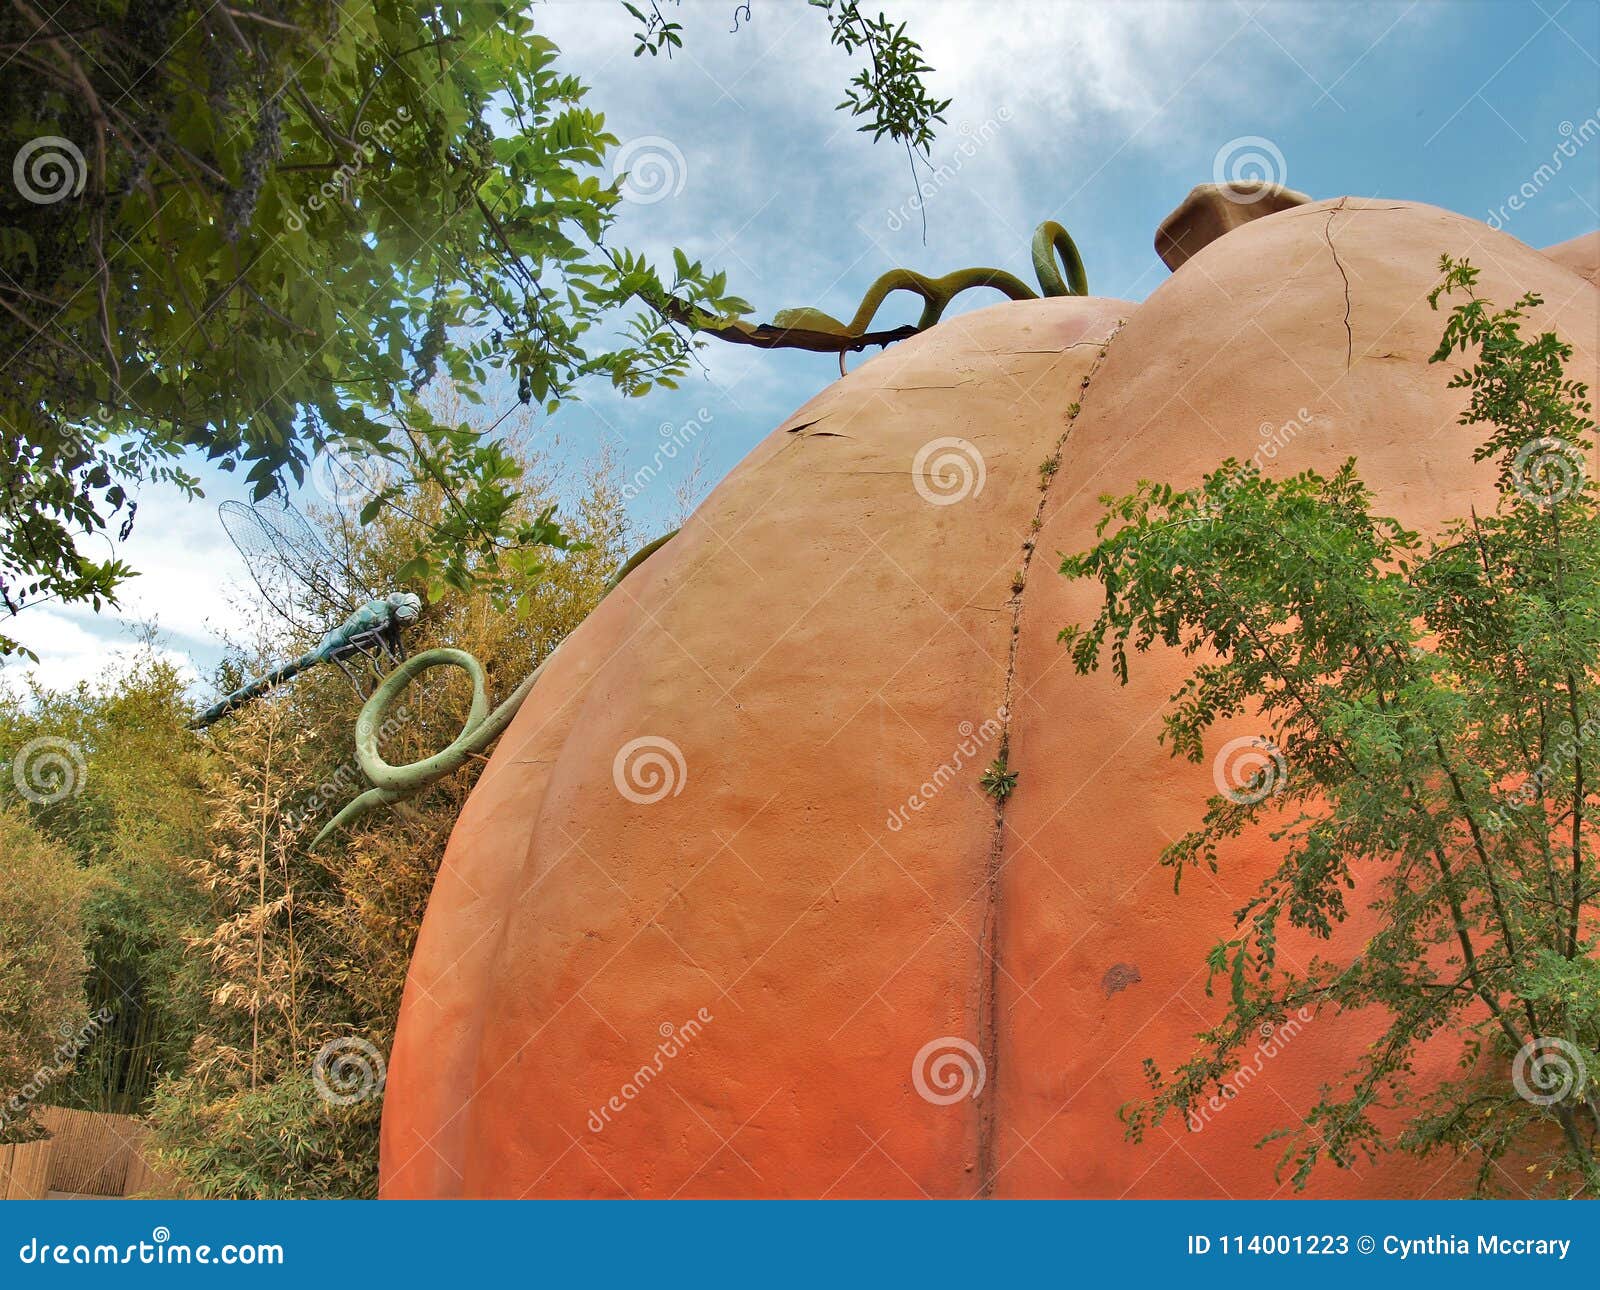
(1101, 116)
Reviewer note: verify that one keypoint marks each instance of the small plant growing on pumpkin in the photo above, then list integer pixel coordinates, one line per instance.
(997, 781)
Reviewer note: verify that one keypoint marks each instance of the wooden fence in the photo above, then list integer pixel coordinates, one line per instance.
(88, 1154)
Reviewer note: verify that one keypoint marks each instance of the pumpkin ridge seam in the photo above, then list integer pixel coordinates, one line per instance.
(989, 982)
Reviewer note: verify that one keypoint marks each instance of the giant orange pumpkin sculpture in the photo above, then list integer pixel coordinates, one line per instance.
(729, 914)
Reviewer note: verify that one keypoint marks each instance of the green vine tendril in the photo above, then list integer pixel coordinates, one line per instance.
(391, 784)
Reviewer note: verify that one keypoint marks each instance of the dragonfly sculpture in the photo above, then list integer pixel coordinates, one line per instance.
(302, 580)
(298, 576)
(374, 627)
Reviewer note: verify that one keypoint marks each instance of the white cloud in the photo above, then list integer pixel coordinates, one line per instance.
(73, 646)
(185, 564)
(1112, 112)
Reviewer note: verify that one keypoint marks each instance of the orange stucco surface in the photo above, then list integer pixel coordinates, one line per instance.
(816, 895)
(1581, 255)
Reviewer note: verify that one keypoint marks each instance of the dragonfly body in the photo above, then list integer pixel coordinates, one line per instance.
(376, 623)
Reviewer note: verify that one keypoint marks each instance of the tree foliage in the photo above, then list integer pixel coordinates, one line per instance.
(304, 952)
(255, 231)
(1430, 711)
(41, 967)
(887, 91)
(164, 880)
(113, 779)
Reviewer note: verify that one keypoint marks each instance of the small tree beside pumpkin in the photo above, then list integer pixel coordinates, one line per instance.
(1432, 709)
